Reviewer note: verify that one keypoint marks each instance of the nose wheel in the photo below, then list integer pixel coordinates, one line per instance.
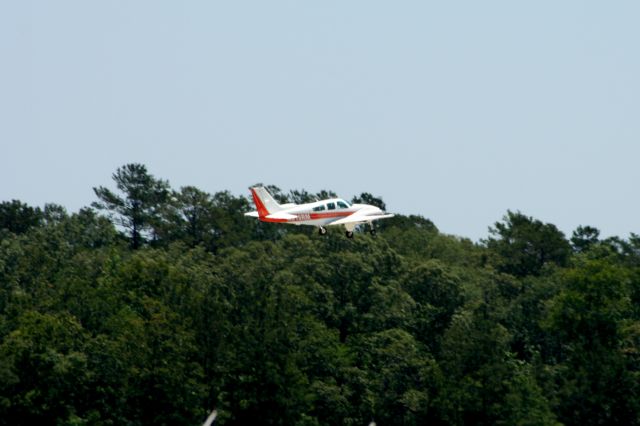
(322, 230)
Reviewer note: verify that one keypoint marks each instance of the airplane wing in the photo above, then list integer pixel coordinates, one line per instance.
(358, 217)
(280, 216)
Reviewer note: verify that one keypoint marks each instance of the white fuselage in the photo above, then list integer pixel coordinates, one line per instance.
(334, 211)
(319, 213)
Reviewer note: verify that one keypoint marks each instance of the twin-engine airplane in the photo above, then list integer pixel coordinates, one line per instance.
(334, 211)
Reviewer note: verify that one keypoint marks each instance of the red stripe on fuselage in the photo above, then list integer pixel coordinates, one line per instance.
(301, 217)
(329, 215)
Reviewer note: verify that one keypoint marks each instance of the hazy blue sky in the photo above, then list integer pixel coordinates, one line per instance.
(455, 110)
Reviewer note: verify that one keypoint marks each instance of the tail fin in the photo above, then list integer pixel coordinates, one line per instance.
(264, 202)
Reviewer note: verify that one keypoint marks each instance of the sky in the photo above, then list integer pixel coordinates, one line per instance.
(456, 111)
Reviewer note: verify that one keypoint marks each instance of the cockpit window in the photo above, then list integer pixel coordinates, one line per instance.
(343, 204)
(319, 208)
(331, 206)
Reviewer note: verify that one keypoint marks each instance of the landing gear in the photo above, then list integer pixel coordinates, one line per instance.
(349, 234)
(322, 230)
(373, 232)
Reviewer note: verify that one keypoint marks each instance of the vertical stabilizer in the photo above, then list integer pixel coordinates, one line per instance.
(264, 202)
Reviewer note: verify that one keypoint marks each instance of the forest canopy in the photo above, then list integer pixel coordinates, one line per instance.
(155, 305)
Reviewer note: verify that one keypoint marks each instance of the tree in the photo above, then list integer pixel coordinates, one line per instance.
(483, 381)
(43, 370)
(325, 194)
(137, 210)
(196, 210)
(584, 237)
(436, 291)
(301, 196)
(232, 228)
(271, 326)
(366, 198)
(522, 245)
(590, 320)
(399, 377)
(18, 217)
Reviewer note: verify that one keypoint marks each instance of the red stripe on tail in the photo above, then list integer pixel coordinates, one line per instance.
(262, 210)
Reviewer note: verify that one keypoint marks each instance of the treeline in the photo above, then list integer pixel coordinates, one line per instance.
(155, 305)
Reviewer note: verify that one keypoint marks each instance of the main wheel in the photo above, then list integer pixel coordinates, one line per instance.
(322, 230)
(373, 232)
(349, 234)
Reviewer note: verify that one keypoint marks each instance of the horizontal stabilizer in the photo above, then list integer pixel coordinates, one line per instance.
(281, 216)
(361, 218)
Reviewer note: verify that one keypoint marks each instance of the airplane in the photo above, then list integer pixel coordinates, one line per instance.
(334, 211)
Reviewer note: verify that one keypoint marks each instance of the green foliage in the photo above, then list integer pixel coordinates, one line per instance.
(584, 237)
(522, 245)
(590, 318)
(278, 325)
(42, 368)
(366, 198)
(17, 217)
(139, 208)
(437, 293)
